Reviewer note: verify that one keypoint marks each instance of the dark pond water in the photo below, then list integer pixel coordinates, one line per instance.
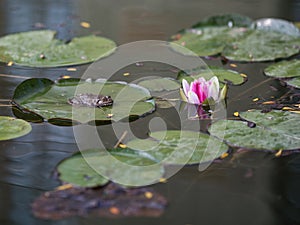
(246, 188)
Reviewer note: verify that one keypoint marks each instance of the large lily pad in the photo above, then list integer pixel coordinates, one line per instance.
(260, 45)
(284, 69)
(225, 76)
(180, 147)
(235, 39)
(50, 100)
(276, 130)
(88, 168)
(40, 49)
(13, 128)
(206, 41)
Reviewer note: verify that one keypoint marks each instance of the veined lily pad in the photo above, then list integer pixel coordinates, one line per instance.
(88, 167)
(159, 84)
(51, 99)
(13, 128)
(206, 41)
(225, 76)
(260, 45)
(40, 49)
(180, 147)
(284, 69)
(234, 38)
(276, 130)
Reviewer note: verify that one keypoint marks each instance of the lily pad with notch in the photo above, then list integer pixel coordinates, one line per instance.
(41, 49)
(273, 131)
(175, 147)
(51, 100)
(13, 128)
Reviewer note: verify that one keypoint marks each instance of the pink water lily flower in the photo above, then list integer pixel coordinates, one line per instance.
(200, 90)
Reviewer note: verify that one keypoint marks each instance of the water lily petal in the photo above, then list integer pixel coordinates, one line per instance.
(193, 98)
(213, 89)
(186, 87)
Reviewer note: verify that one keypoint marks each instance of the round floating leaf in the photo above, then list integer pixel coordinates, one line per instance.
(40, 49)
(159, 84)
(224, 76)
(13, 128)
(206, 41)
(260, 45)
(295, 82)
(84, 169)
(230, 20)
(76, 170)
(276, 130)
(284, 69)
(278, 25)
(50, 100)
(180, 147)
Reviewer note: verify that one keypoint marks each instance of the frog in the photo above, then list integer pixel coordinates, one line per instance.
(91, 100)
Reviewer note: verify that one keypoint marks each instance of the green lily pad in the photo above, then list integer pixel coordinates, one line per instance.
(76, 170)
(40, 49)
(13, 128)
(230, 20)
(206, 41)
(294, 82)
(284, 69)
(225, 76)
(159, 84)
(50, 100)
(260, 45)
(186, 147)
(276, 130)
(278, 25)
(89, 168)
(238, 39)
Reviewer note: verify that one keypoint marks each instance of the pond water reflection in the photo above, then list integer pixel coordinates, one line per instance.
(245, 188)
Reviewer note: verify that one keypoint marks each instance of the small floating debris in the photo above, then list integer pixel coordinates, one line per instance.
(85, 24)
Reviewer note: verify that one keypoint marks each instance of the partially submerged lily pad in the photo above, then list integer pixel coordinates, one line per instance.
(225, 76)
(88, 168)
(112, 201)
(13, 128)
(41, 49)
(276, 130)
(180, 147)
(51, 100)
(235, 39)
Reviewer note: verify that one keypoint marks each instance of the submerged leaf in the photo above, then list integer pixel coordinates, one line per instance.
(52, 100)
(13, 128)
(40, 49)
(276, 130)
